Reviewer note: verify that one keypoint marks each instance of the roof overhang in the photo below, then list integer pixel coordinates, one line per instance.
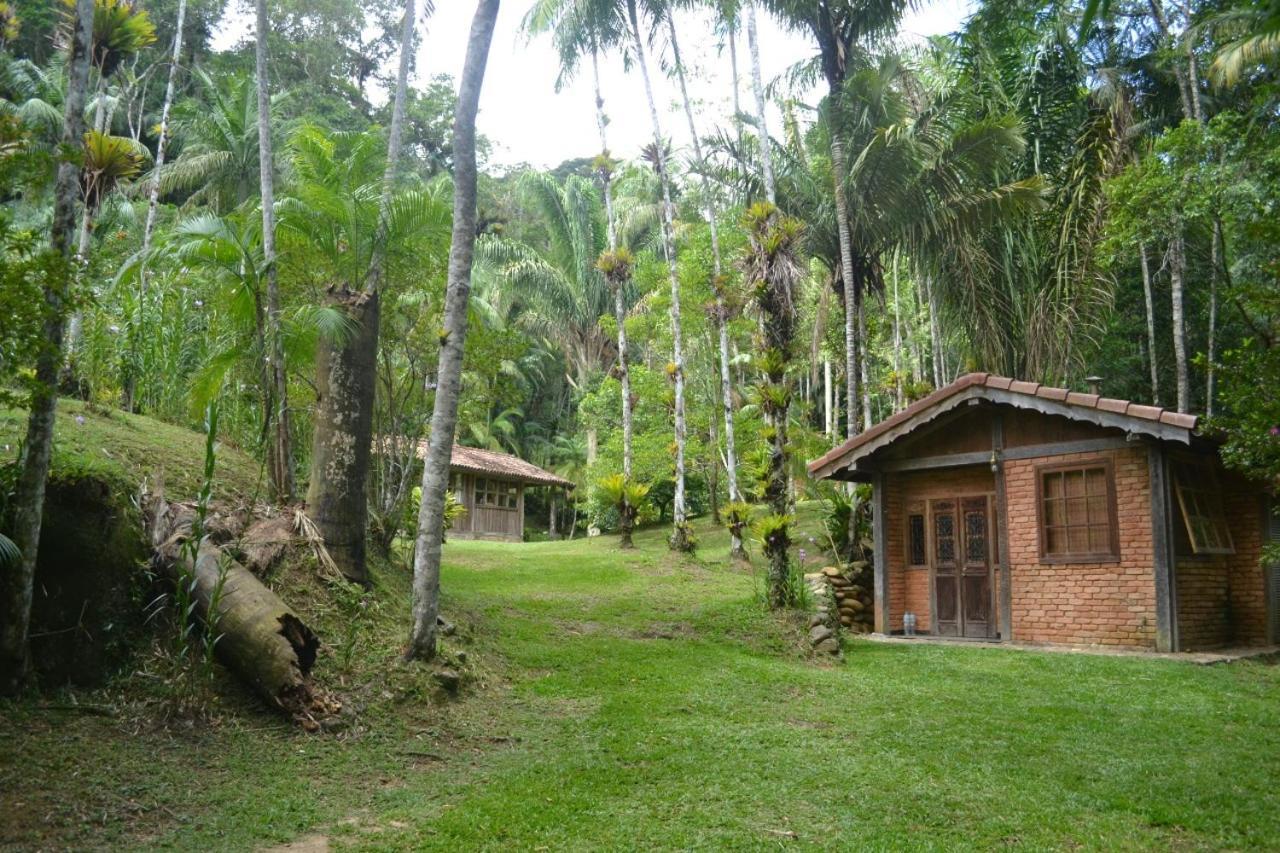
(1133, 419)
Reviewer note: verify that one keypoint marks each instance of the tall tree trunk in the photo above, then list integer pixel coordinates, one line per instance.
(679, 537)
(863, 360)
(444, 417)
(75, 325)
(346, 376)
(736, 548)
(773, 270)
(737, 85)
(1151, 324)
(280, 452)
(935, 334)
(828, 399)
(762, 125)
(851, 301)
(619, 297)
(1166, 37)
(897, 337)
(1218, 263)
(1177, 275)
(28, 496)
(153, 204)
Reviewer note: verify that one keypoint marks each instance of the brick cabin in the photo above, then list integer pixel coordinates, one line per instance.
(1011, 511)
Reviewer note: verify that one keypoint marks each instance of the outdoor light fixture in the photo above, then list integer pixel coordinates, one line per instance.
(995, 462)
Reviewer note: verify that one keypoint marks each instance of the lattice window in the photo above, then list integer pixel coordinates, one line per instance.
(1077, 513)
(1200, 502)
(916, 547)
(496, 493)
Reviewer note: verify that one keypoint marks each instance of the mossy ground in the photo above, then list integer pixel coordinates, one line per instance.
(642, 700)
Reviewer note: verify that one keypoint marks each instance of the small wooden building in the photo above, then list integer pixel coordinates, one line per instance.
(1012, 511)
(491, 485)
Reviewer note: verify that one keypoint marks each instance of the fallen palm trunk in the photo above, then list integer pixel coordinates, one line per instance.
(260, 639)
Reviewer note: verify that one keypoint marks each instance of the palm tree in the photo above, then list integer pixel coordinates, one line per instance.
(435, 470)
(279, 451)
(681, 539)
(1257, 42)
(1028, 286)
(153, 203)
(840, 27)
(717, 288)
(346, 372)
(219, 155)
(560, 292)
(119, 32)
(579, 28)
(757, 90)
(28, 496)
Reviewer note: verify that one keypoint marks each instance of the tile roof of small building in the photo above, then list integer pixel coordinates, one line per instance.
(504, 466)
(1105, 411)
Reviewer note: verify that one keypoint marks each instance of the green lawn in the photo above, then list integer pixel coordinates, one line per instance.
(629, 700)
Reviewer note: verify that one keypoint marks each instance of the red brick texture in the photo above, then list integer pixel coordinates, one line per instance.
(1222, 599)
(1219, 600)
(1110, 603)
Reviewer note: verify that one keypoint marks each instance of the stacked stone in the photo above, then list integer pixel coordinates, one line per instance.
(824, 623)
(851, 590)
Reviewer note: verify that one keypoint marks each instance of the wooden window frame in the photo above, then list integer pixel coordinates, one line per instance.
(1109, 475)
(508, 488)
(916, 508)
(1213, 495)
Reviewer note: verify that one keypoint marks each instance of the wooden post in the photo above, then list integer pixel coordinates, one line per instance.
(1002, 529)
(879, 507)
(519, 532)
(469, 499)
(1162, 551)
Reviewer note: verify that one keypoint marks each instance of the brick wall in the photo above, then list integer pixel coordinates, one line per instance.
(1204, 593)
(917, 598)
(1111, 603)
(1222, 598)
(1242, 504)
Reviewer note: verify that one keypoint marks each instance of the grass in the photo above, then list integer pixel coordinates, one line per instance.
(638, 700)
(123, 449)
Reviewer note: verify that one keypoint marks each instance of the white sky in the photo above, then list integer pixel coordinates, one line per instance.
(528, 121)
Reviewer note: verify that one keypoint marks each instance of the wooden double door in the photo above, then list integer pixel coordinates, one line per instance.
(962, 565)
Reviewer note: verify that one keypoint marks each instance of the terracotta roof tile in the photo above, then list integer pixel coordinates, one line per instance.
(502, 465)
(1148, 413)
(1073, 399)
(1178, 419)
(1019, 387)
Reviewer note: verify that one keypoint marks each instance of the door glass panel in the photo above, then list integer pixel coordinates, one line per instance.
(975, 537)
(944, 534)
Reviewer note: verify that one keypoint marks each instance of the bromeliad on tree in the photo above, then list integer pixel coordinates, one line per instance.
(772, 269)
